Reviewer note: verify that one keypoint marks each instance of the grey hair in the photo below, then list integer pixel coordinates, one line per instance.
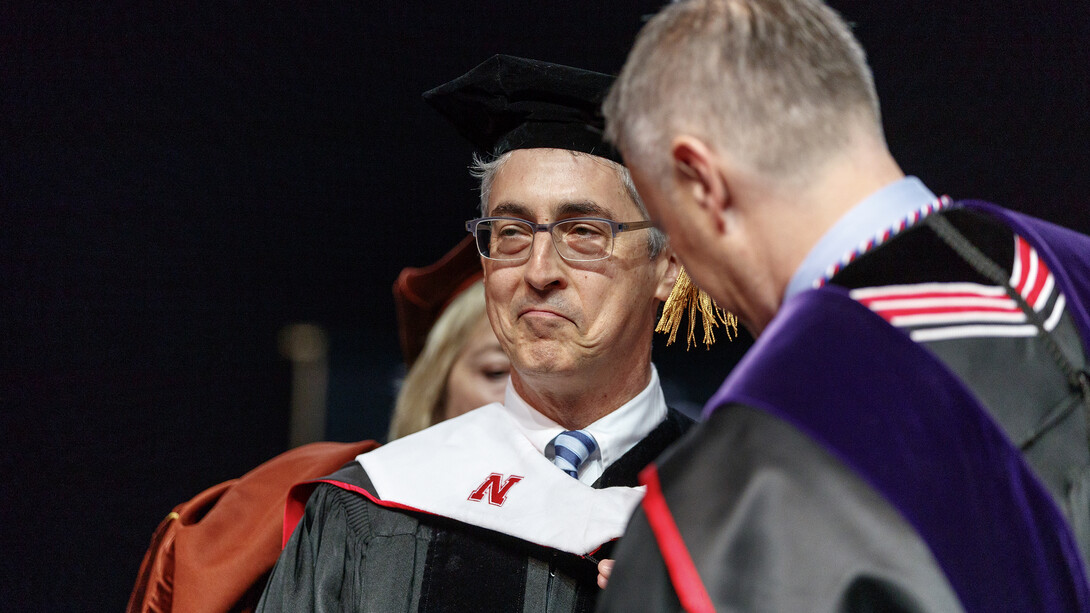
(776, 83)
(486, 171)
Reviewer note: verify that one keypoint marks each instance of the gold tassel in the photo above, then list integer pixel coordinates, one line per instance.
(686, 296)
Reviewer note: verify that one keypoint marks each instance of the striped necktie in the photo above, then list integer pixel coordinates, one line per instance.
(572, 448)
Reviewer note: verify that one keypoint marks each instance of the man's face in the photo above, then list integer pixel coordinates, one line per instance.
(558, 317)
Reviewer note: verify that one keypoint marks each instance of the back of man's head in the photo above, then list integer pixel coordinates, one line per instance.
(777, 84)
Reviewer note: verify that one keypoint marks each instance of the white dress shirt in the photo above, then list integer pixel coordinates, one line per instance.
(616, 433)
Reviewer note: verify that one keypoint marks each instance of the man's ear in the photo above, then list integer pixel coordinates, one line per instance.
(671, 269)
(699, 179)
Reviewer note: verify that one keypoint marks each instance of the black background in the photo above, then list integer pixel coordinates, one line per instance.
(180, 181)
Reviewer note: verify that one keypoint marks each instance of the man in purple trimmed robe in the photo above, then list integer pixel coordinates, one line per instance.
(909, 431)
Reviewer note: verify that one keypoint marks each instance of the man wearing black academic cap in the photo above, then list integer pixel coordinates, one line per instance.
(511, 506)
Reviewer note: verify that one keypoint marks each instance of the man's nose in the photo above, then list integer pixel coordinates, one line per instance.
(545, 266)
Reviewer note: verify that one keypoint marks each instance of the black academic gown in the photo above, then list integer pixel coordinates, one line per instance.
(769, 512)
(351, 554)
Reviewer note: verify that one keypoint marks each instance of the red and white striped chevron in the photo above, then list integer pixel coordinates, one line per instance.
(942, 311)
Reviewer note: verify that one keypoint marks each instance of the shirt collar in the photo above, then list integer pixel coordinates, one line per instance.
(616, 433)
(881, 209)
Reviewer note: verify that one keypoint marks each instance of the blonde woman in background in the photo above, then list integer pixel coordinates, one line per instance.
(462, 367)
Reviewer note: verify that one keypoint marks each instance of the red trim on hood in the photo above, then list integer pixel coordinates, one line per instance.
(297, 502)
(683, 574)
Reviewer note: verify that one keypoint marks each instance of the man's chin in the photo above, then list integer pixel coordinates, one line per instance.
(542, 358)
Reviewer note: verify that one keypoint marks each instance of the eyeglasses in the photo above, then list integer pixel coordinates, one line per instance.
(579, 239)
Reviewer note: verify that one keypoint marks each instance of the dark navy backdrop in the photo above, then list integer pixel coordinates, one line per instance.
(178, 182)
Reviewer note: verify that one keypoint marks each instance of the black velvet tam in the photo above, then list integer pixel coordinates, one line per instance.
(509, 103)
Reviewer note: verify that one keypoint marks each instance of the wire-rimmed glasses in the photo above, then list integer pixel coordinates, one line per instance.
(578, 239)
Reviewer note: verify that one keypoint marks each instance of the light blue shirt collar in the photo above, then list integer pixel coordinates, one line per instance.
(876, 212)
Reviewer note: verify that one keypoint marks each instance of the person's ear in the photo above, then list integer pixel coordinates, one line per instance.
(699, 179)
(671, 268)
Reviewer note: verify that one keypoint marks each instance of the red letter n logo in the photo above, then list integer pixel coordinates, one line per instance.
(496, 492)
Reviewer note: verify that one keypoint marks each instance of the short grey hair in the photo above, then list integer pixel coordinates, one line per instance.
(779, 84)
(486, 170)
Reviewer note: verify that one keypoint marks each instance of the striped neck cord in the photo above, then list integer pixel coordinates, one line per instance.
(872, 242)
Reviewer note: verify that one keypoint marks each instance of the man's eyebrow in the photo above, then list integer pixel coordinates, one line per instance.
(587, 208)
(579, 208)
(511, 209)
